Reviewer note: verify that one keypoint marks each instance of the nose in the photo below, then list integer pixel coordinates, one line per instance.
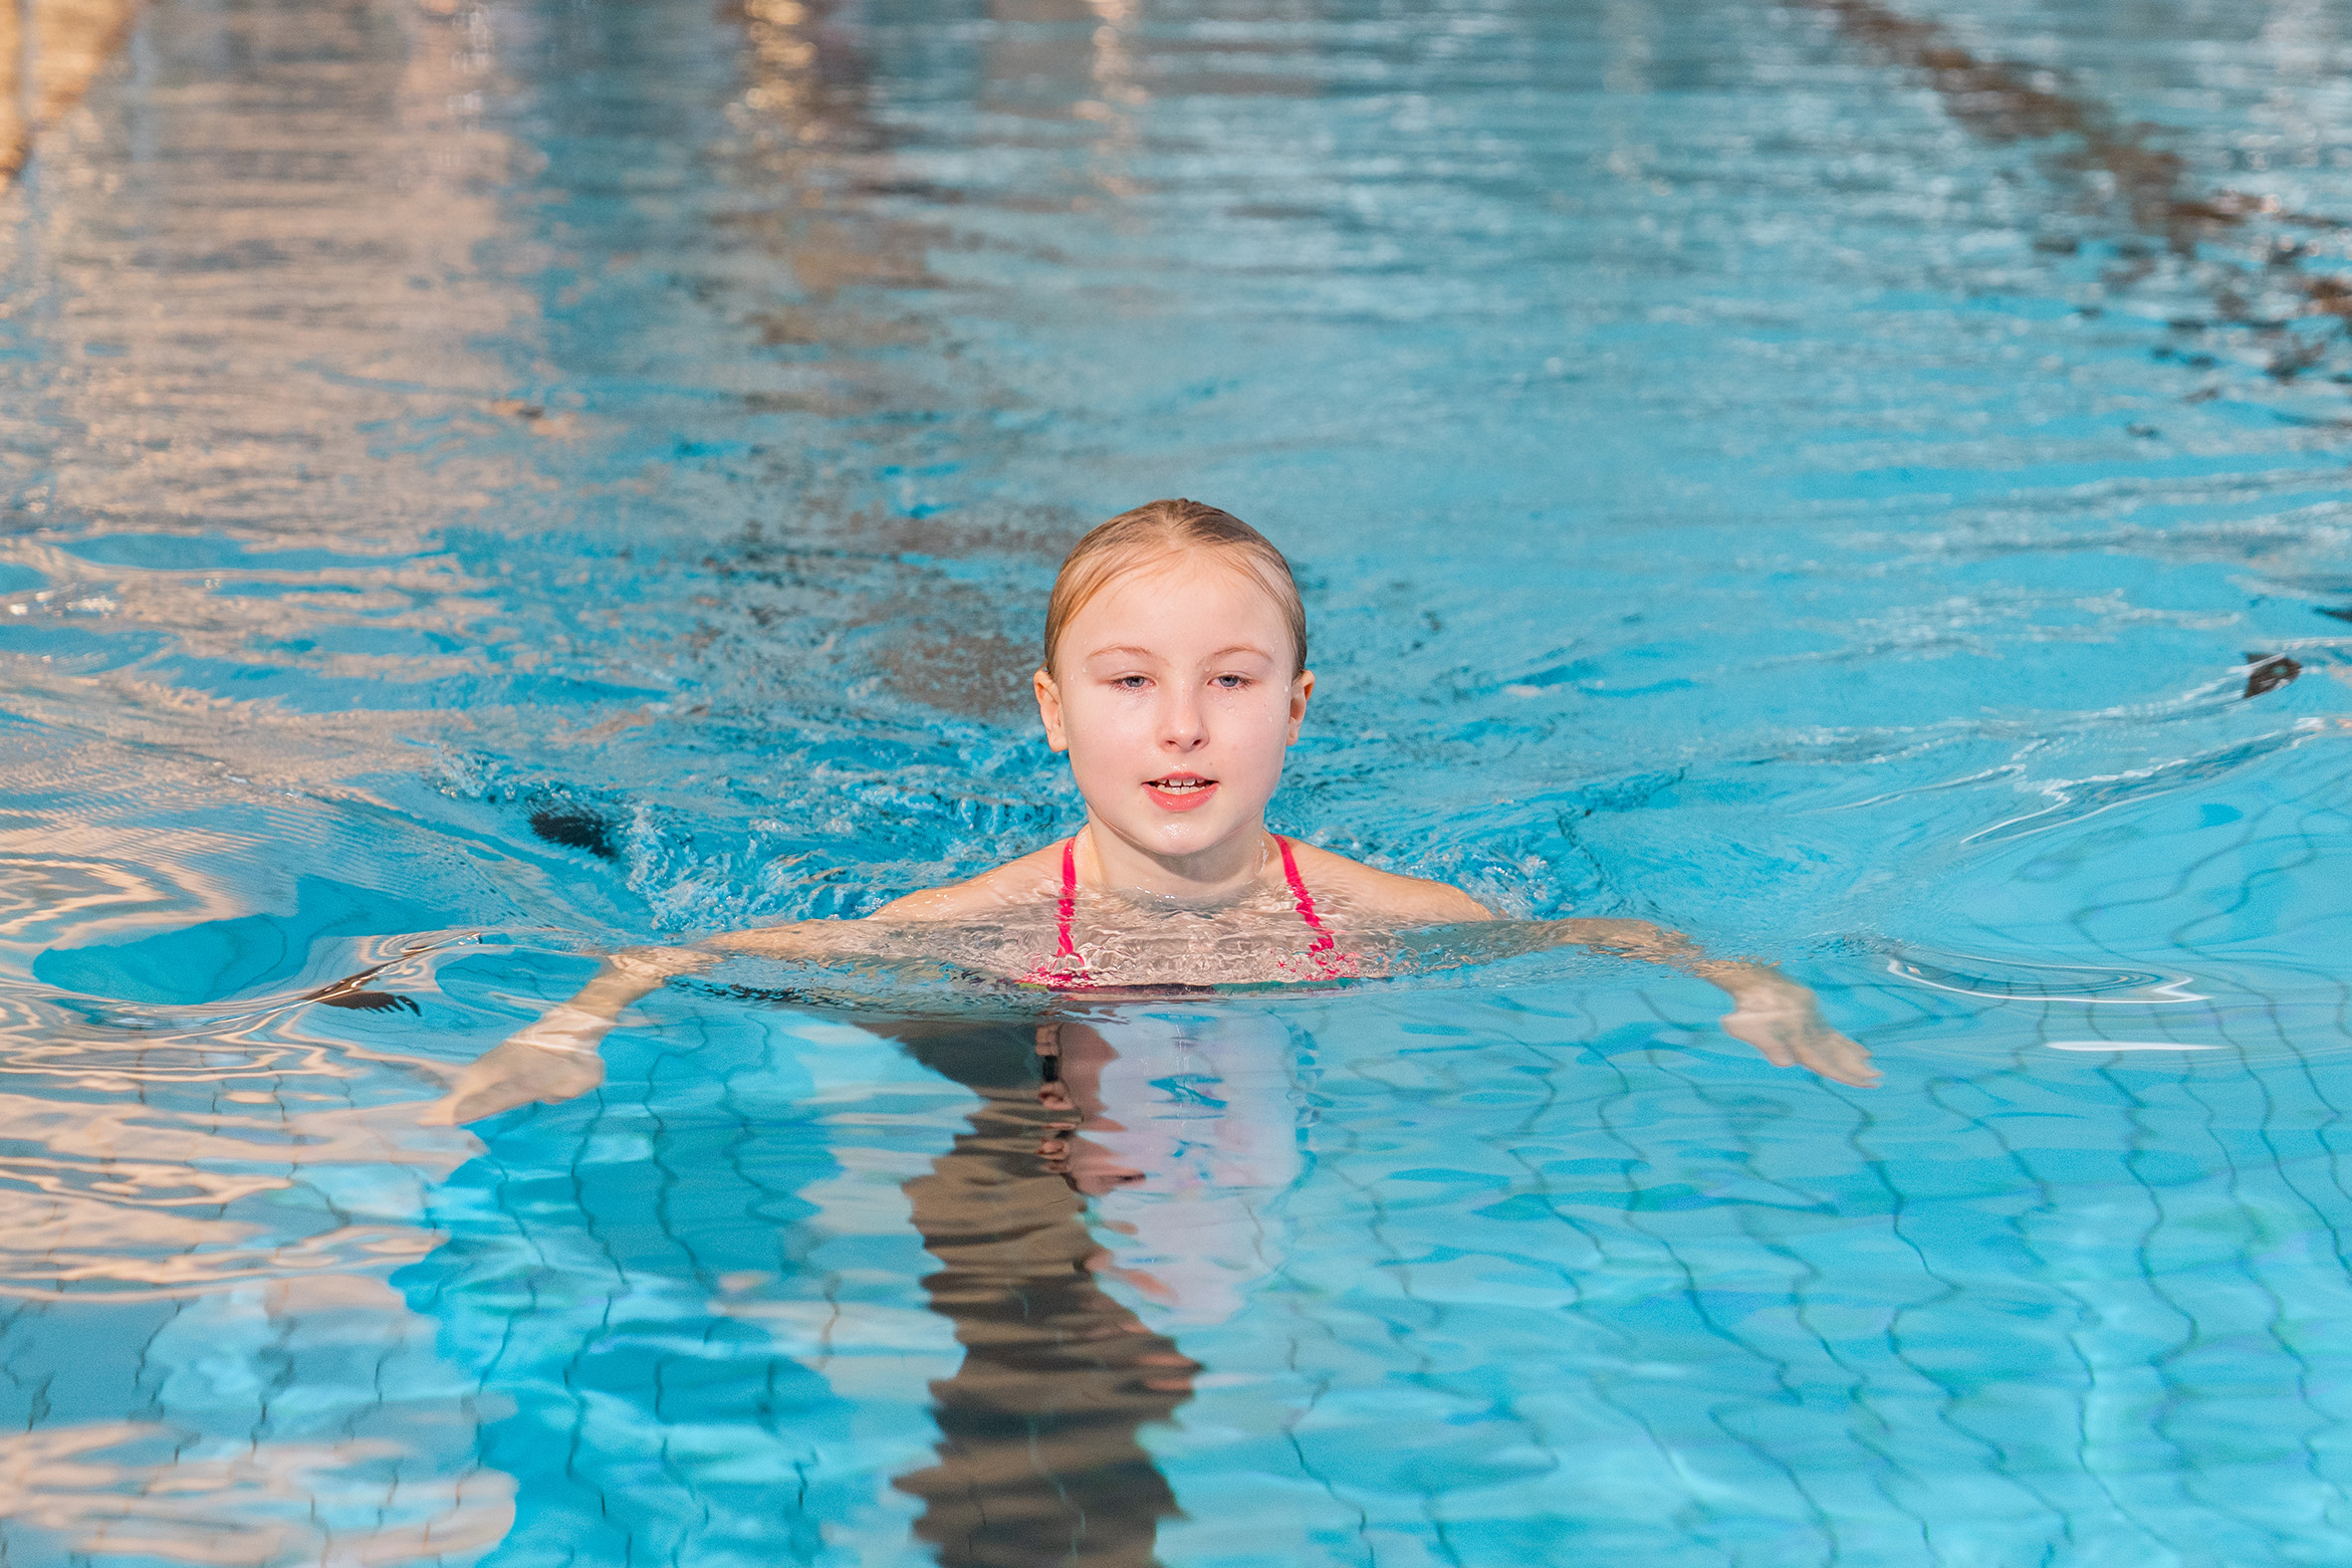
(1184, 727)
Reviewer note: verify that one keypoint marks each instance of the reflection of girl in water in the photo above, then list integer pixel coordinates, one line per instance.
(1175, 677)
(1185, 1133)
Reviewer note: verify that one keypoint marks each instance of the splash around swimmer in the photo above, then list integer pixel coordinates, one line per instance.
(1175, 680)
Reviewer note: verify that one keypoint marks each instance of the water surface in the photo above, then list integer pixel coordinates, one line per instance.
(488, 482)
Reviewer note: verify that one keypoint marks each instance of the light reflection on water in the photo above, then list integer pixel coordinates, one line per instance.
(490, 480)
(251, 1504)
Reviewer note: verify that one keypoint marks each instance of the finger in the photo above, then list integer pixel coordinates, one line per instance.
(1840, 1058)
(1766, 1039)
(1848, 1054)
(1858, 1064)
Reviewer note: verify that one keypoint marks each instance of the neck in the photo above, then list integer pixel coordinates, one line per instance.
(1229, 866)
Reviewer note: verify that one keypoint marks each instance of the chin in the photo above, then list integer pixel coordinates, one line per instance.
(1191, 838)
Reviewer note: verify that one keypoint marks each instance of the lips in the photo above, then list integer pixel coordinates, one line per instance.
(1180, 791)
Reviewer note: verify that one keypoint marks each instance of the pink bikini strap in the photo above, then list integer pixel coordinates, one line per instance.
(1333, 964)
(1322, 943)
(1066, 910)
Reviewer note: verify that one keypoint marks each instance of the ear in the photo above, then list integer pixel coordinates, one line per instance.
(1050, 710)
(1301, 689)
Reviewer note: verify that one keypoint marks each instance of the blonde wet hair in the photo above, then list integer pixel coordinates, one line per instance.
(1152, 532)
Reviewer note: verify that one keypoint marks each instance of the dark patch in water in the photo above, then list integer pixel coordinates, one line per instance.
(979, 675)
(936, 639)
(2339, 615)
(349, 991)
(575, 827)
(368, 1001)
(2006, 101)
(2266, 672)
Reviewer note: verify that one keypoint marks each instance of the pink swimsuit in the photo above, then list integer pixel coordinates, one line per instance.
(1324, 951)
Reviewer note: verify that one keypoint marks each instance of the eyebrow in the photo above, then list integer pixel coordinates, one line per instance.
(1239, 648)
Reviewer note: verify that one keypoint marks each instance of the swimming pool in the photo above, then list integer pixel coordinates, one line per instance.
(487, 482)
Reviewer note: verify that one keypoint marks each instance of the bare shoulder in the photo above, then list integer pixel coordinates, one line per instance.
(1408, 898)
(1023, 881)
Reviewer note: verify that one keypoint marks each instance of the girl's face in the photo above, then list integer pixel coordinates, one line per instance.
(1174, 696)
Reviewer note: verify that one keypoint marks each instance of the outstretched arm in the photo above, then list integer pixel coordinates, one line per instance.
(1771, 1012)
(554, 1056)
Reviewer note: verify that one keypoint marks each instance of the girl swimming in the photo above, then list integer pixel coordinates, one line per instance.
(1175, 678)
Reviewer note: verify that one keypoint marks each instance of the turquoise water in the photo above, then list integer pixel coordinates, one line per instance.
(485, 483)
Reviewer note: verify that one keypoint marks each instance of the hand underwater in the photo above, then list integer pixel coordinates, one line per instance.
(1782, 1021)
(553, 1056)
(515, 1073)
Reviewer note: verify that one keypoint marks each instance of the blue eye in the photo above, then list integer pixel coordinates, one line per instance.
(1231, 683)
(1130, 683)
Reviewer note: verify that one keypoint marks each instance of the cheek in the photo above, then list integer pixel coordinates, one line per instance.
(1259, 727)
(1100, 725)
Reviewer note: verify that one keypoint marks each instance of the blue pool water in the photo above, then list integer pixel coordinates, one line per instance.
(488, 482)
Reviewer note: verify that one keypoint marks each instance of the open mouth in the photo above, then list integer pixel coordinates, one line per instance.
(1181, 791)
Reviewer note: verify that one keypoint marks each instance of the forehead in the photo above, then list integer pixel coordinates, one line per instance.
(1179, 592)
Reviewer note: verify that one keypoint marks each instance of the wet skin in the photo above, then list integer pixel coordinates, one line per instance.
(1175, 698)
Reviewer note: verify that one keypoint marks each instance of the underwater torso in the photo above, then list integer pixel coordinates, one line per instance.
(1073, 968)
